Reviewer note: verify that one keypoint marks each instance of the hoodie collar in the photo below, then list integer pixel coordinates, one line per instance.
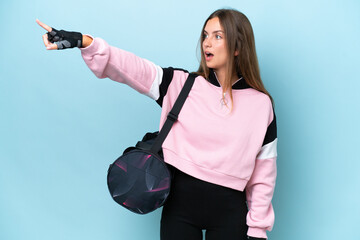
(239, 84)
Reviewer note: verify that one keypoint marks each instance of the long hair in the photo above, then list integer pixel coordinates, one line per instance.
(239, 37)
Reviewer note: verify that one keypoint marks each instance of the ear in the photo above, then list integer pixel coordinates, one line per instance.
(236, 53)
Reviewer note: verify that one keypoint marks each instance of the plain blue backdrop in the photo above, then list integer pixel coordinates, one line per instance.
(60, 126)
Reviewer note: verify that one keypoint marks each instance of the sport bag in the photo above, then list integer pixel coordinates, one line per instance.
(140, 180)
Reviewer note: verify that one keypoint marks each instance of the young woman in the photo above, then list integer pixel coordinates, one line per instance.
(223, 146)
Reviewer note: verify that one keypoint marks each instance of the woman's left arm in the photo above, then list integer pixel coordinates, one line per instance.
(260, 188)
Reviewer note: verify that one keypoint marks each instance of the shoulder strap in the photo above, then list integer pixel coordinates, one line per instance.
(173, 114)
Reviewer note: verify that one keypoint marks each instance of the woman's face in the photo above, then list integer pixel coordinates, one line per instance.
(214, 45)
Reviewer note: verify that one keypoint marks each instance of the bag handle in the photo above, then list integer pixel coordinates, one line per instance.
(173, 114)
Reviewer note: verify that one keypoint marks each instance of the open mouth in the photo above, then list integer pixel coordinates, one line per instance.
(208, 56)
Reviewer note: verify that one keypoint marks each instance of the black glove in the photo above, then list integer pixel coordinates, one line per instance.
(255, 238)
(64, 39)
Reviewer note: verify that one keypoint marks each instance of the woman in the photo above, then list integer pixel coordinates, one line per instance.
(223, 146)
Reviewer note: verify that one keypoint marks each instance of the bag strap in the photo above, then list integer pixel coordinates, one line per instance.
(173, 114)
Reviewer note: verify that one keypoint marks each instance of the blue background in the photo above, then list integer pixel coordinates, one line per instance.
(60, 126)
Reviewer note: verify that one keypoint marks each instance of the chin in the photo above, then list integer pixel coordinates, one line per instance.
(210, 65)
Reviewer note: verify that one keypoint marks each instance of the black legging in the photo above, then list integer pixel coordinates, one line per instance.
(194, 205)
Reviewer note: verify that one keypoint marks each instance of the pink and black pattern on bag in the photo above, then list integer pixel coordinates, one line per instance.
(134, 181)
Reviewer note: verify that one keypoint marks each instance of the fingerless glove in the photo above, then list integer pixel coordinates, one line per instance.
(64, 39)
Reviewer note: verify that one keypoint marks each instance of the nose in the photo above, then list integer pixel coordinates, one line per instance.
(207, 42)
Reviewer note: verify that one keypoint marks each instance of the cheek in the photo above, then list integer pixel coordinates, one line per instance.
(221, 47)
(222, 51)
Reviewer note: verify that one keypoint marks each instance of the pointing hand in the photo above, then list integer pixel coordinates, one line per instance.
(55, 39)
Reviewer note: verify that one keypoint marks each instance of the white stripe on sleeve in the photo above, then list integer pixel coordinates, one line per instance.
(154, 92)
(268, 151)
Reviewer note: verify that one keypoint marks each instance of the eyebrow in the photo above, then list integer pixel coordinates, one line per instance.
(215, 31)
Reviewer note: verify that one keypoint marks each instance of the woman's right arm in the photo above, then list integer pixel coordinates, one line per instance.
(106, 61)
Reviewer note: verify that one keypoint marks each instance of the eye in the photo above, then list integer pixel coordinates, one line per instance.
(205, 36)
(217, 36)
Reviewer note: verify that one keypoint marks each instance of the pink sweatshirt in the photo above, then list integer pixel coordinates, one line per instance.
(234, 149)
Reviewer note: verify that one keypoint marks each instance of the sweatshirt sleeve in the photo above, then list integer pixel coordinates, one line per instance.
(260, 188)
(106, 61)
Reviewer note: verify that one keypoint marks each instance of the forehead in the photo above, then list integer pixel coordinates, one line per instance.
(213, 25)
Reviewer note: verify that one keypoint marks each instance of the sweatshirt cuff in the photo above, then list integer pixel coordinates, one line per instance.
(90, 47)
(257, 232)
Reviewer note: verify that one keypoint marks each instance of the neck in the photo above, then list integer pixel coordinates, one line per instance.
(221, 76)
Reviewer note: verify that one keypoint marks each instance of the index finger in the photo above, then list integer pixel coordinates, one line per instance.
(43, 25)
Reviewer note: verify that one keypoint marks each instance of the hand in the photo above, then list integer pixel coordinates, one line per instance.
(55, 39)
